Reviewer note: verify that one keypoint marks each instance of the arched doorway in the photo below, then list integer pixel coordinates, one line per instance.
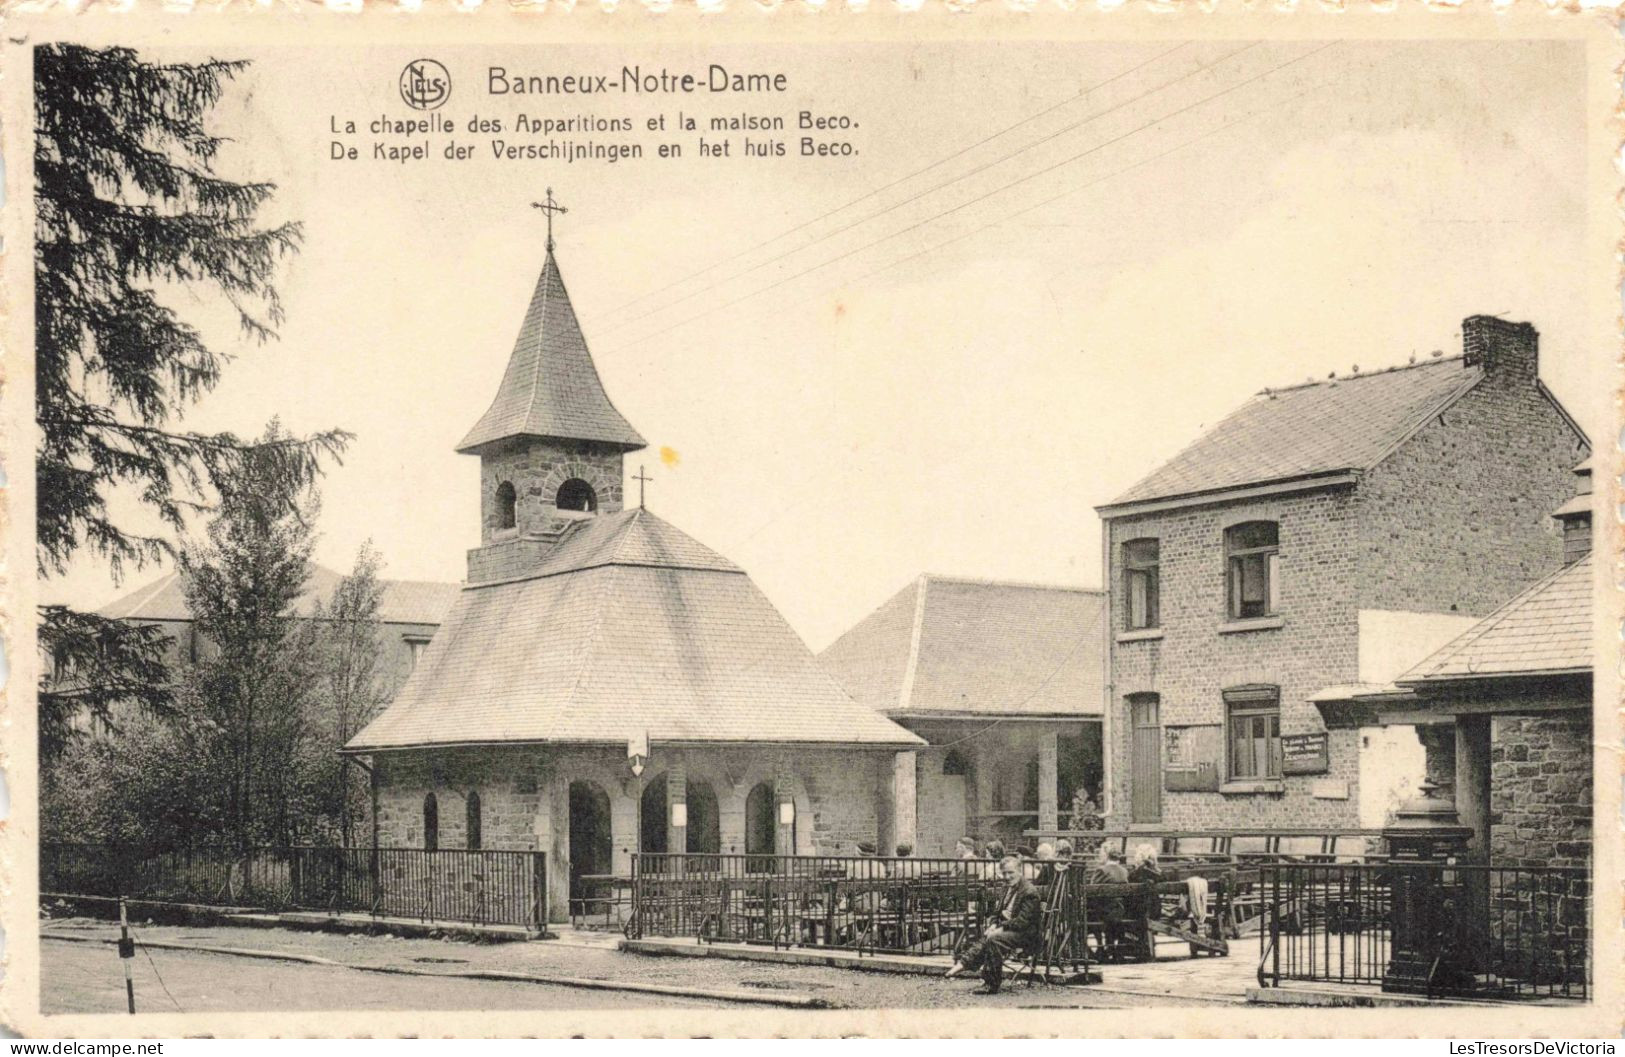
(761, 826)
(704, 820)
(591, 848)
(652, 818)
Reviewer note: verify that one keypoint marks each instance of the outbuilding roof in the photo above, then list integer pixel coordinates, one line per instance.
(946, 646)
(402, 602)
(551, 387)
(1309, 430)
(1546, 630)
(630, 629)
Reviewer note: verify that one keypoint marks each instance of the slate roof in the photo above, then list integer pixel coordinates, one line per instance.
(630, 628)
(1546, 630)
(551, 388)
(1308, 430)
(975, 647)
(403, 601)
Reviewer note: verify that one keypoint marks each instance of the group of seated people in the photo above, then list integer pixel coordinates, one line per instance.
(1014, 926)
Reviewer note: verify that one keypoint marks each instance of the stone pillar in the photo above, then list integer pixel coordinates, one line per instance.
(1472, 781)
(904, 813)
(625, 796)
(676, 793)
(784, 792)
(885, 805)
(552, 829)
(1048, 780)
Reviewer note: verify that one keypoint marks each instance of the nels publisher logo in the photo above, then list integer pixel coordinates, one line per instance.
(425, 84)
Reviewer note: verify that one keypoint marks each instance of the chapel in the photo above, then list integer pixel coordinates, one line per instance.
(604, 683)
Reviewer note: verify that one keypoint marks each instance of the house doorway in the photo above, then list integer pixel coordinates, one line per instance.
(1145, 771)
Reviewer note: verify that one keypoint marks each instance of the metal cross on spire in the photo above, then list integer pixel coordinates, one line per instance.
(550, 206)
(641, 478)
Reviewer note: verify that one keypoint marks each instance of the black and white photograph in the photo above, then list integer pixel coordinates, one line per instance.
(734, 528)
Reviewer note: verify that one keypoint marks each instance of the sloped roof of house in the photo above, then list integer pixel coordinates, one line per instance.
(403, 601)
(629, 629)
(551, 387)
(974, 647)
(1546, 630)
(1309, 430)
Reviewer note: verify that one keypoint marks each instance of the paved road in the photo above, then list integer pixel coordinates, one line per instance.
(87, 978)
(840, 988)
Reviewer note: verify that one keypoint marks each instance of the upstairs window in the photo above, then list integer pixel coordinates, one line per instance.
(576, 494)
(507, 506)
(1253, 719)
(1141, 584)
(1252, 557)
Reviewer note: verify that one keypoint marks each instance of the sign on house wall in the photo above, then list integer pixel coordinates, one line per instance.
(1192, 757)
(1305, 753)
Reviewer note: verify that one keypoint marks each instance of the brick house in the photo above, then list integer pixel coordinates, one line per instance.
(1003, 681)
(1316, 533)
(605, 684)
(1511, 699)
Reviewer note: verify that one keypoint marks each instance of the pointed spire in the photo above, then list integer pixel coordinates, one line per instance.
(551, 388)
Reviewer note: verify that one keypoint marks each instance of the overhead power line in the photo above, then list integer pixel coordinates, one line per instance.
(937, 187)
(901, 179)
(979, 198)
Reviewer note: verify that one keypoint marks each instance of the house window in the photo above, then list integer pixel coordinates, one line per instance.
(576, 494)
(417, 646)
(507, 506)
(473, 820)
(1140, 584)
(1252, 553)
(1253, 722)
(431, 823)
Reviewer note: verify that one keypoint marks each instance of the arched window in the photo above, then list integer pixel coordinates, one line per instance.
(953, 763)
(473, 820)
(507, 506)
(576, 494)
(431, 823)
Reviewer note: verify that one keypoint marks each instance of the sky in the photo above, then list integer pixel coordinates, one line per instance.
(953, 348)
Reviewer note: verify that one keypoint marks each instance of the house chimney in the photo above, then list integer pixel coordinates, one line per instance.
(1507, 351)
(1575, 516)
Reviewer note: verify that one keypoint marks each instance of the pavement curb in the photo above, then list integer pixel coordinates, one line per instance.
(797, 1001)
(881, 963)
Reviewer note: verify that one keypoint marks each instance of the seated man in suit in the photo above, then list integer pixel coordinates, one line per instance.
(1013, 928)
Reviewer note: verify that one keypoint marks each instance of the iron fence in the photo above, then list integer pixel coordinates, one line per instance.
(452, 885)
(922, 906)
(897, 905)
(1430, 928)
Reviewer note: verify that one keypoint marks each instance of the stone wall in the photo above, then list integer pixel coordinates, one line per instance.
(524, 797)
(536, 468)
(1541, 789)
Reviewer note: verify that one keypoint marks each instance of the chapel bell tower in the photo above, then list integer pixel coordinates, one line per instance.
(551, 443)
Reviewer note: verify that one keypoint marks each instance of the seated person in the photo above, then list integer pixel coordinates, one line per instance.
(1013, 928)
(1109, 870)
(1145, 871)
(1042, 867)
